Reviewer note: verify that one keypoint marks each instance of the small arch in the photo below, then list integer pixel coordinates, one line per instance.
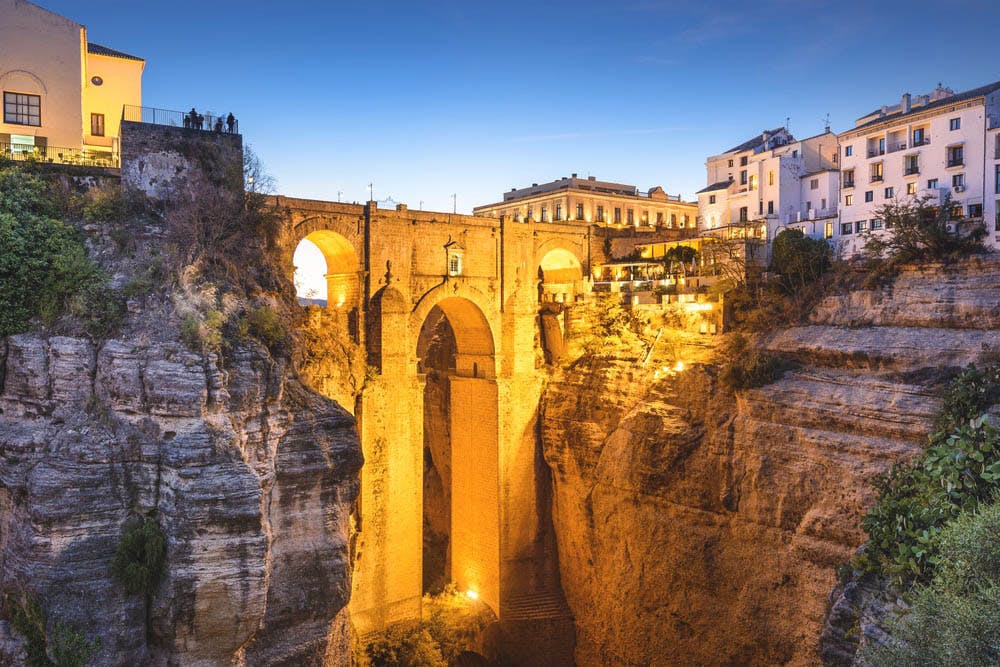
(22, 81)
(327, 270)
(559, 273)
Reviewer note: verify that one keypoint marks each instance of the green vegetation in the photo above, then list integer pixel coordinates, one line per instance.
(45, 271)
(954, 620)
(799, 260)
(918, 231)
(959, 471)
(747, 367)
(66, 647)
(138, 564)
(264, 324)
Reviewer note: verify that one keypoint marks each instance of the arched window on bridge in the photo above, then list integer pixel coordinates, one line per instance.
(326, 271)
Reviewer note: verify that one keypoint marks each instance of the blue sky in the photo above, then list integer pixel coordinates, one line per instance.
(427, 99)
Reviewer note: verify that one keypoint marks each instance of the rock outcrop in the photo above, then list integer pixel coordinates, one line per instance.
(701, 526)
(251, 476)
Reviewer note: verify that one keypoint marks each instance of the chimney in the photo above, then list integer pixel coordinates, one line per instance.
(904, 104)
(765, 136)
(574, 174)
(592, 178)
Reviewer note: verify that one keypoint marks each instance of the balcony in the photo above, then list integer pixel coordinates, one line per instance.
(848, 184)
(876, 178)
(875, 152)
(956, 163)
(897, 147)
(910, 171)
(189, 120)
(87, 157)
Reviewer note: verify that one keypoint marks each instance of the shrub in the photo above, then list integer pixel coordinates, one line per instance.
(264, 324)
(956, 619)
(139, 560)
(919, 231)
(67, 646)
(44, 267)
(413, 646)
(959, 470)
(748, 367)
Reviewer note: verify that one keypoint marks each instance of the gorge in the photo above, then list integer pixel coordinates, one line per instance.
(594, 481)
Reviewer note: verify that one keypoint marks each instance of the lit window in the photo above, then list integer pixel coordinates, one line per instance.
(860, 226)
(828, 230)
(770, 178)
(454, 261)
(753, 182)
(911, 188)
(97, 124)
(848, 200)
(21, 109)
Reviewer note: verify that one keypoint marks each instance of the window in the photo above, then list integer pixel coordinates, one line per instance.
(711, 198)
(631, 216)
(846, 228)
(860, 226)
(848, 151)
(730, 163)
(876, 225)
(876, 172)
(828, 230)
(975, 210)
(600, 214)
(814, 184)
(744, 214)
(531, 213)
(579, 211)
(618, 215)
(955, 212)
(760, 207)
(849, 178)
(97, 124)
(955, 124)
(517, 216)
(673, 220)
(454, 261)
(823, 204)
(809, 206)
(911, 165)
(685, 220)
(869, 196)
(659, 219)
(955, 156)
(743, 161)
(795, 153)
(753, 182)
(770, 178)
(932, 184)
(996, 179)
(881, 146)
(958, 181)
(890, 193)
(918, 136)
(996, 223)
(743, 177)
(911, 188)
(558, 212)
(848, 200)
(545, 214)
(770, 207)
(20, 109)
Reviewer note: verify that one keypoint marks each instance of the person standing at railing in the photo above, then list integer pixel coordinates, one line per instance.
(200, 124)
(218, 125)
(231, 122)
(193, 119)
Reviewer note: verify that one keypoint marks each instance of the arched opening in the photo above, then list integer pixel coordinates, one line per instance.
(560, 276)
(326, 271)
(560, 273)
(456, 362)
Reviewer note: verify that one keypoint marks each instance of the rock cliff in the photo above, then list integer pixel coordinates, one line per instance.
(697, 525)
(251, 475)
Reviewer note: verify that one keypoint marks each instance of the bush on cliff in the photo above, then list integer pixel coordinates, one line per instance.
(747, 367)
(139, 559)
(959, 470)
(955, 620)
(799, 259)
(45, 271)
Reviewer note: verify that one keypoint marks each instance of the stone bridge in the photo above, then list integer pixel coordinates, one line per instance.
(446, 310)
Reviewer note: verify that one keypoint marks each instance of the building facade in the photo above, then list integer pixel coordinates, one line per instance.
(770, 183)
(587, 200)
(942, 147)
(62, 95)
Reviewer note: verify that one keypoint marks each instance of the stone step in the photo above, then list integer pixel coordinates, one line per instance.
(535, 606)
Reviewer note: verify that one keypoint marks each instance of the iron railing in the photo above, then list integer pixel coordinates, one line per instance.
(192, 120)
(88, 157)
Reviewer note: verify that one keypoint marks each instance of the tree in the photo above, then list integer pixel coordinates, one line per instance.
(799, 259)
(917, 230)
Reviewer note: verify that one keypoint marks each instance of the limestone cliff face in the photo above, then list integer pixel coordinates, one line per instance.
(698, 526)
(251, 475)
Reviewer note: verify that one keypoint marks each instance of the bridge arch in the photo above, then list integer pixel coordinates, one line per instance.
(455, 357)
(327, 269)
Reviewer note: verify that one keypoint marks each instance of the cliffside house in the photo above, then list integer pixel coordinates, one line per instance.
(63, 96)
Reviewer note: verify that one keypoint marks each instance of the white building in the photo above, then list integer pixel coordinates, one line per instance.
(935, 145)
(775, 181)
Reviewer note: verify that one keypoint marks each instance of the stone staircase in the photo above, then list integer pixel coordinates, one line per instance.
(542, 605)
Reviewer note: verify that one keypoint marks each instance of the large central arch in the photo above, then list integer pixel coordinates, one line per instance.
(456, 361)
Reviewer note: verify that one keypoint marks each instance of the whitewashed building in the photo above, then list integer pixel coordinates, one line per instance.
(770, 183)
(934, 145)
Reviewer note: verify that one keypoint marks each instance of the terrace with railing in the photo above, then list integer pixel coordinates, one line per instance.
(191, 120)
(84, 157)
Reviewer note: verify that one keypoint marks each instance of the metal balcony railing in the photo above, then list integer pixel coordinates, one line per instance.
(192, 120)
(956, 163)
(56, 155)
